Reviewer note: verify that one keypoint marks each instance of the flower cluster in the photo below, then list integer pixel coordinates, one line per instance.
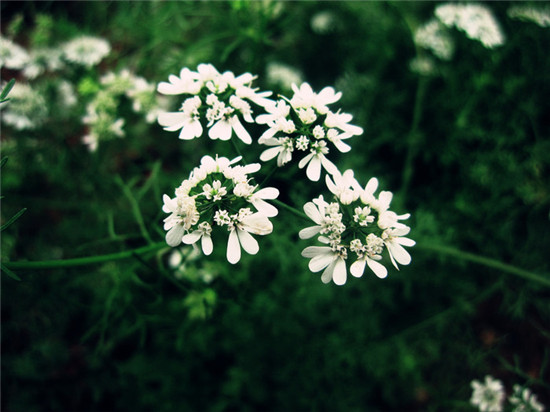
(26, 108)
(86, 50)
(101, 113)
(489, 396)
(434, 36)
(219, 195)
(538, 15)
(305, 123)
(356, 223)
(476, 20)
(213, 100)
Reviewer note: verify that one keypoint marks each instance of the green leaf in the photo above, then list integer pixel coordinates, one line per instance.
(10, 273)
(6, 90)
(13, 219)
(3, 161)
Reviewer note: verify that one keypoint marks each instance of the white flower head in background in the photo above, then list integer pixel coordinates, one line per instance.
(305, 124)
(476, 20)
(523, 400)
(41, 61)
(26, 109)
(434, 36)
(220, 197)
(217, 101)
(86, 51)
(12, 56)
(282, 75)
(488, 396)
(323, 22)
(356, 224)
(536, 14)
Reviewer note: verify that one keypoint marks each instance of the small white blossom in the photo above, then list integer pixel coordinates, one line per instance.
(523, 400)
(282, 75)
(538, 15)
(86, 50)
(12, 56)
(434, 36)
(488, 396)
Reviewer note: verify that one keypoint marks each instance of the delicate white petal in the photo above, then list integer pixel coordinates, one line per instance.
(357, 268)
(267, 193)
(309, 232)
(313, 212)
(268, 134)
(172, 121)
(378, 269)
(270, 153)
(312, 251)
(192, 237)
(305, 160)
(265, 208)
(258, 224)
(326, 277)
(313, 170)
(233, 247)
(340, 145)
(399, 253)
(174, 235)
(248, 243)
(207, 245)
(328, 165)
(339, 275)
(405, 241)
(220, 130)
(240, 131)
(321, 261)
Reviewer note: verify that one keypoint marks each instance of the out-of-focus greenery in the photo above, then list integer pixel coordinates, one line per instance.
(465, 150)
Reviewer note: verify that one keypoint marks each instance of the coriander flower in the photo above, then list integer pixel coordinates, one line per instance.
(488, 396)
(304, 123)
(87, 51)
(12, 56)
(355, 226)
(217, 101)
(476, 20)
(220, 197)
(26, 108)
(434, 36)
(538, 15)
(523, 400)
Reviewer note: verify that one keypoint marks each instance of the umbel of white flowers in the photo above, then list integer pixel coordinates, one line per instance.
(219, 101)
(219, 196)
(305, 124)
(356, 223)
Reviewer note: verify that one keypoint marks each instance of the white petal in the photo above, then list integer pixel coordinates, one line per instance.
(405, 241)
(309, 232)
(357, 268)
(249, 244)
(328, 165)
(174, 235)
(258, 224)
(378, 269)
(265, 208)
(326, 277)
(192, 237)
(340, 145)
(321, 261)
(305, 161)
(207, 245)
(312, 212)
(312, 251)
(267, 193)
(339, 275)
(220, 130)
(313, 170)
(240, 131)
(233, 248)
(172, 121)
(399, 253)
(270, 153)
(268, 134)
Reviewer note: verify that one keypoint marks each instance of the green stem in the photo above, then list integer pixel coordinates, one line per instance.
(481, 260)
(63, 263)
(291, 209)
(135, 208)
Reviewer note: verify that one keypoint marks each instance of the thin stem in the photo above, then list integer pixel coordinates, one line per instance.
(63, 263)
(135, 208)
(291, 209)
(238, 150)
(269, 175)
(481, 260)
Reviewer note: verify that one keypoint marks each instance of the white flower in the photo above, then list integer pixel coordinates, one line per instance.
(344, 187)
(315, 159)
(202, 233)
(394, 241)
(187, 83)
(315, 211)
(488, 396)
(332, 261)
(369, 255)
(86, 50)
(240, 236)
(323, 22)
(476, 20)
(183, 216)
(305, 97)
(283, 148)
(12, 56)
(341, 121)
(26, 109)
(434, 36)
(524, 400)
(282, 75)
(187, 120)
(538, 15)
(258, 199)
